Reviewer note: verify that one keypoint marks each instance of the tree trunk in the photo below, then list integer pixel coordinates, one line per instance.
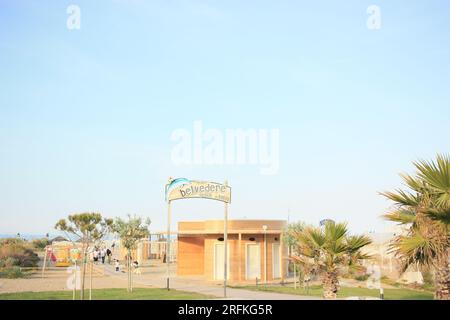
(83, 273)
(442, 279)
(129, 271)
(131, 277)
(330, 284)
(90, 280)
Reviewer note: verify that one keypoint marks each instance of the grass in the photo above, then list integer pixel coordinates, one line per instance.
(389, 294)
(109, 294)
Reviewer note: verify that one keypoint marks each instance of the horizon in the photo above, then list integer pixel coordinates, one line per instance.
(91, 118)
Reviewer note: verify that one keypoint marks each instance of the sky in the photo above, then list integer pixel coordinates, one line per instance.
(86, 115)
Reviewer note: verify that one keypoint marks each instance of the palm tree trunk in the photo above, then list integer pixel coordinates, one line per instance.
(443, 278)
(330, 285)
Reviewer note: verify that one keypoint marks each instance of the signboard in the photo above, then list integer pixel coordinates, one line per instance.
(74, 255)
(182, 188)
(199, 189)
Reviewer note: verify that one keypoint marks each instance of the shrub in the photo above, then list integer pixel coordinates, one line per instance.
(11, 241)
(362, 277)
(11, 262)
(428, 278)
(40, 244)
(12, 273)
(15, 252)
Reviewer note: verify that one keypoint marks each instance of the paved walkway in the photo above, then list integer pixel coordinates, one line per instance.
(157, 278)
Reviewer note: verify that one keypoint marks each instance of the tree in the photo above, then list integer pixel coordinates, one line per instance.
(88, 227)
(289, 239)
(130, 232)
(292, 229)
(424, 209)
(327, 250)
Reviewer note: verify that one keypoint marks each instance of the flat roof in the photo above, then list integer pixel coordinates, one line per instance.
(247, 226)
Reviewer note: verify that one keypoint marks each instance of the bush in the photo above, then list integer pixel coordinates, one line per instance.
(362, 277)
(40, 244)
(12, 273)
(11, 241)
(428, 279)
(15, 252)
(11, 262)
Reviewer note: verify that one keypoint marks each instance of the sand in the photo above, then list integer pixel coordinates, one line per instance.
(56, 280)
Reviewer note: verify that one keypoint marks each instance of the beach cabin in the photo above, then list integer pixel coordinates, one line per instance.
(255, 250)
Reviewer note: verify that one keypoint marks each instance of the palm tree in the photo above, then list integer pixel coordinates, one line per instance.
(327, 250)
(424, 210)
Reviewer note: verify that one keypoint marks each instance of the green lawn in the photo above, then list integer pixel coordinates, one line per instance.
(109, 294)
(389, 294)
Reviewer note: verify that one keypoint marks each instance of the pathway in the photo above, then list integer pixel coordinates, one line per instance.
(156, 278)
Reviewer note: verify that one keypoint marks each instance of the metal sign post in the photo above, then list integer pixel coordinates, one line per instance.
(182, 188)
(225, 240)
(169, 218)
(75, 281)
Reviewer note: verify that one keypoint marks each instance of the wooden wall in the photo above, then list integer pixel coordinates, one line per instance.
(238, 256)
(190, 255)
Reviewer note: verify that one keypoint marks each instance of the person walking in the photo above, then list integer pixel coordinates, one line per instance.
(136, 268)
(103, 255)
(95, 255)
(109, 254)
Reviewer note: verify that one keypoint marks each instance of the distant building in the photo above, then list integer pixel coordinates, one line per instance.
(58, 239)
(383, 256)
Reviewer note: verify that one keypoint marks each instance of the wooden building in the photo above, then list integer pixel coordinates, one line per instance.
(255, 250)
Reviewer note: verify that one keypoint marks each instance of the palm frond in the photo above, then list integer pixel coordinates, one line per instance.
(413, 183)
(402, 198)
(436, 174)
(415, 249)
(441, 215)
(335, 231)
(355, 243)
(316, 236)
(402, 216)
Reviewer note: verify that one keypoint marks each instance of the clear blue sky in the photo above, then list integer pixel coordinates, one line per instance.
(86, 115)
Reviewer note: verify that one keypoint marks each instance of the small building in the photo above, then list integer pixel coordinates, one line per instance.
(63, 253)
(255, 250)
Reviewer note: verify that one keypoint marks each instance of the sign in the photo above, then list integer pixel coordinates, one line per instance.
(182, 188)
(74, 254)
(199, 189)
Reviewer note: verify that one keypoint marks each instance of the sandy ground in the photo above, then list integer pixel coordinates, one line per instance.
(56, 280)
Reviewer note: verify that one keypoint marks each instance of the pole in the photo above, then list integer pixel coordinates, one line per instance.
(168, 244)
(74, 281)
(225, 251)
(225, 240)
(45, 262)
(265, 257)
(295, 276)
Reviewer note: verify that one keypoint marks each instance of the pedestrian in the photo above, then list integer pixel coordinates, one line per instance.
(109, 254)
(136, 270)
(103, 255)
(117, 265)
(95, 255)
